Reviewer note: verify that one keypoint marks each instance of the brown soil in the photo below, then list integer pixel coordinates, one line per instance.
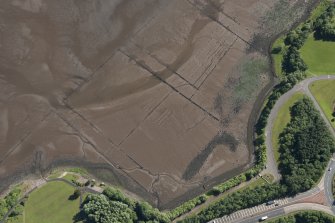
(150, 95)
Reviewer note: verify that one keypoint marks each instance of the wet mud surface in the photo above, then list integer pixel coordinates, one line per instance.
(153, 96)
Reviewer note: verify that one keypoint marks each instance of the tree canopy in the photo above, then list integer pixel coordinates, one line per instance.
(306, 146)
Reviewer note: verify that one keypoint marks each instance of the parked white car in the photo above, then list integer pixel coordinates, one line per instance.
(264, 218)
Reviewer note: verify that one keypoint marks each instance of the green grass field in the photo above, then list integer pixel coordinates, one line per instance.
(324, 93)
(309, 49)
(319, 56)
(51, 204)
(277, 57)
(71, 177)
(282, 120)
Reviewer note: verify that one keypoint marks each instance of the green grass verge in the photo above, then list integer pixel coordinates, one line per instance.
(55, 174)
(77, 170)
(258, 182)
(71, 177)
(324, 93)
(51, 204)
(277, 57)
(282, 119)
(268, 177)
(319, 56)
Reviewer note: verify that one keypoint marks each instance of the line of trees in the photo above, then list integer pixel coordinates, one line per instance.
(186, 206)
(294, 40)
(236, 201)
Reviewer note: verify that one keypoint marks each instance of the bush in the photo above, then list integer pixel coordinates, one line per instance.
(116, 195)
(324, 26)
(292, 61)
(276, 50)
(76, 194)
(99, 209)
(9, 201)
(297, 38)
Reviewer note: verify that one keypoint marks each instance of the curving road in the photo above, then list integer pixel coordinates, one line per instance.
(328, 184)
(271, 166)
(286, 210)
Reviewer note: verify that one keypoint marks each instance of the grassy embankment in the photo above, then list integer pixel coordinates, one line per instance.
(51, 204)
(324, 93)
(319, 56)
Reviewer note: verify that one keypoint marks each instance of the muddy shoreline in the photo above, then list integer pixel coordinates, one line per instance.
(122, 178)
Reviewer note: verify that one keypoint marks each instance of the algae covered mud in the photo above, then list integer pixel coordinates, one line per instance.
(155, 96)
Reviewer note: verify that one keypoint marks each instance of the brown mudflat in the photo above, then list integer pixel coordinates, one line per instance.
(151, 95)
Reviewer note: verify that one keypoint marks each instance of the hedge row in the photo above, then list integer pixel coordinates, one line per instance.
(186, 207)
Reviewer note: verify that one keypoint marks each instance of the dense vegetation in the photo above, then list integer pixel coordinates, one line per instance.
(237, 201)
(99, 208)
(306, 146)
(113, 206)
(325, 24)
(9, 201)
(281, 120)
(306, 217)
(292, 61)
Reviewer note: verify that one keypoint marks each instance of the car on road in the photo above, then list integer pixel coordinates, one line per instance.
(329, 169)
(270, 202)
(263, 218)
